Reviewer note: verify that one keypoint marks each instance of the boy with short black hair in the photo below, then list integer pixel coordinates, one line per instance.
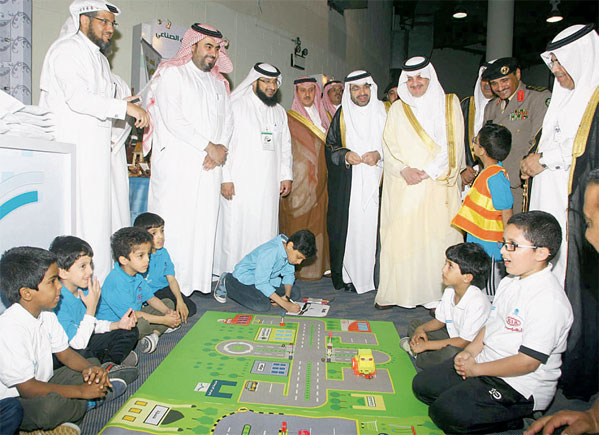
(462, 312)
(125, 288)
(512, 366)
(111, 342)
(266, 275)
(30, 334)
(161, 272)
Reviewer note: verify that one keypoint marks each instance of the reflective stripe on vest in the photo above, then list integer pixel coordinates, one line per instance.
(477, 215)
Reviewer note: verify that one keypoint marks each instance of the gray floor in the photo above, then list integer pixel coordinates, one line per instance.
(343, 305)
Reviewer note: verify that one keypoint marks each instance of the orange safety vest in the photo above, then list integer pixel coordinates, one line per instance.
(477, 216)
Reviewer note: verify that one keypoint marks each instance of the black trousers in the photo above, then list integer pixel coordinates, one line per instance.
(476, 405)
(113, 346)
(252, 298)
(168, 294)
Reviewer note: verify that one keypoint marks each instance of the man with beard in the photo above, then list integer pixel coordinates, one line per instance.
(76, 84)
(305, 208)
(390, 95)
(189, 103)
(331, 97)
(354, 150)
(258, 168)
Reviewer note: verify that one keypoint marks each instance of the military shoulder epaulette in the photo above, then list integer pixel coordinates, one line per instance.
(536, 88)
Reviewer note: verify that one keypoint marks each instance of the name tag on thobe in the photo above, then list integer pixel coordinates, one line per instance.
(268, 143)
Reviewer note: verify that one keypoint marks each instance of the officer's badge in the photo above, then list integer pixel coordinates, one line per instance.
(504, 69)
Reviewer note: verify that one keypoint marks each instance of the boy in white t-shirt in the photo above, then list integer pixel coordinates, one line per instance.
(463, 310)
(512, 366)
(30, 334)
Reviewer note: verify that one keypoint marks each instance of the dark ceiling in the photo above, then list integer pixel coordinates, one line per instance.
(531, 31)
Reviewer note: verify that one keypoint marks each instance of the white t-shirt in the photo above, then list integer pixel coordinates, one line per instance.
(465, 319)
(532, 316)
(26, 347)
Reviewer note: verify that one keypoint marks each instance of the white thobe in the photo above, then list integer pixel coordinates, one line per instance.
(121, 210)
(77, 86)
(550, 190)
(360, 244)
(259, 159)
(192, 109)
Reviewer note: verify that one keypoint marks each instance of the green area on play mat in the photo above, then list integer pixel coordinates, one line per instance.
(248, 375)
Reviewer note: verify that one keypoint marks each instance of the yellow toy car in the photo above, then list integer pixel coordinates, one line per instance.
(363, 363)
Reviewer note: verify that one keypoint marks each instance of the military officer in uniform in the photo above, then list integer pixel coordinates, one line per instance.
(521, 109)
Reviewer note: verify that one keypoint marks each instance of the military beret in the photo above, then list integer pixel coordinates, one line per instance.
(500, 68)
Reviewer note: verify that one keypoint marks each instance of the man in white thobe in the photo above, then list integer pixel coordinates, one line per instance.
(576, 69)
(189, 103)
(355, 169)
(76, 84)
(259, 168)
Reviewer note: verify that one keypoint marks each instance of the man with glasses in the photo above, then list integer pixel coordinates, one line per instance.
(567, 152)
(76, 84)
(258, 169)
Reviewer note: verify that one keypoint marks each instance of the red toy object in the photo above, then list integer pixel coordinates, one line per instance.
(303, 432)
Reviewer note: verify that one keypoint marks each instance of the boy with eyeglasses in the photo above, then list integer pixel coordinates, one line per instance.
(512, 366)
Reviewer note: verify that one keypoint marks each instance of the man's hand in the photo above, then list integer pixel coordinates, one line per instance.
(464, 364)
(285, 187)
(93, 294)
(468, 175)
(208, 164)
(142, 119)
(182, 310)
(413, 175)
(128, 320)
(371, 158)
(227, 190)
(353, 158)
(578, 423)
(218, 153)
(530, 166)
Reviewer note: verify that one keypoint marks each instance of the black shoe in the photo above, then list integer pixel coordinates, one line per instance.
(337, 281)
(349, 287)
(382, 307)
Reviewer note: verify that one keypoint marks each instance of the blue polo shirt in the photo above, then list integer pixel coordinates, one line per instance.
(266, 267)
(121, 292)
(160, 266)
(70, 311)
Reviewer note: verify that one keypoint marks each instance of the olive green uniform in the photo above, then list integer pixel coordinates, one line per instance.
(523, 117)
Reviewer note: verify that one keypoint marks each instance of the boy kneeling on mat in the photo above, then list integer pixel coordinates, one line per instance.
(267, 274)
(512, 366)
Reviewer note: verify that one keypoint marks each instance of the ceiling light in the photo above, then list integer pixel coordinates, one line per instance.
(555, 15)
(460, 12)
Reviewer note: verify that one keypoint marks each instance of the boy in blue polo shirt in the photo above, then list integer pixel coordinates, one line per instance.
(110, 342)
(126, 288)
(266, 275)
(161, 273)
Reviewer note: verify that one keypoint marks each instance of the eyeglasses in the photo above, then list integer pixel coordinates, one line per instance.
(511, 246)
(269, 81)
(106, 22)
(475, 140)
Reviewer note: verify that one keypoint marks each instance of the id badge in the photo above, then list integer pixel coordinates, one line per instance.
(267, 141)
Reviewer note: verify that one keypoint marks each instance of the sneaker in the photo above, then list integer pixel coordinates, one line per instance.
(220, 291)
(119, 387)
(126, 373)
(169, 330)
(404, 343)
(148, 343)
(131, 360)
(67, 428)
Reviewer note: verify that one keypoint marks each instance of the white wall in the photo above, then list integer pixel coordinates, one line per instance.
(258, 30)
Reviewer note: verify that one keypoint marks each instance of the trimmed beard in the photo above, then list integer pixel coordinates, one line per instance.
(269, 101)
(102, 45)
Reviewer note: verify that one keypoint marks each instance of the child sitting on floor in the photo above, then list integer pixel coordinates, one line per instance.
(512, 366)
(126, 288)
(267, 274)
(161, 273)
(462, 312)
(30, 334)
(111, 342)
